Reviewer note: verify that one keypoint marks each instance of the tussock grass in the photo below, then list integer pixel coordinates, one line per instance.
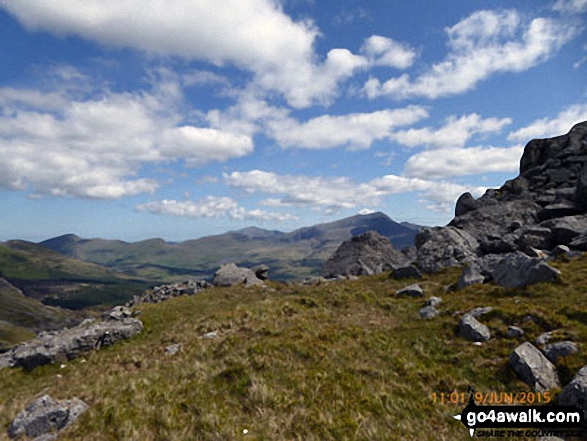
(341, 361)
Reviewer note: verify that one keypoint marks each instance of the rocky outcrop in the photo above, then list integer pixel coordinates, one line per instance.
(67, 344)
(230, 274)
(46, 416)
(166, 292)
(533, 368)
(545, 206)
(367, 254)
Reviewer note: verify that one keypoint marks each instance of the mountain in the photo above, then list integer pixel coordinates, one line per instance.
(54, 279)
(290, 256)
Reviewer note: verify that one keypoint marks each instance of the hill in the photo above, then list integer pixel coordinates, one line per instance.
(290, 256)
(54, 279)
(344, 360)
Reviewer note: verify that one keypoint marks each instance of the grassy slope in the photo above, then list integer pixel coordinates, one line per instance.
(345, 360)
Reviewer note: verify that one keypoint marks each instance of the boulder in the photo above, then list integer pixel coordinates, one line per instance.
(516, 270)
(514, 332)
(480, 311)
(433, 301)
(428, 312)
(465, 203)
(407, 272)
(46, 416)
(534, 368)
(414, 290)
(471, 329)
(544, 338)
(560, 349)
(470, 276)
(230, 274)
(60, 346)
(576, 391)
(536, 237)
(565, 229)
(440, 247)
(366, 254)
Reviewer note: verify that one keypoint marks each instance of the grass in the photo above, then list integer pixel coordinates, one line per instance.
(342, 361)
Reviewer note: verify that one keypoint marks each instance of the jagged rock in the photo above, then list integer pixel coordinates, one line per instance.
(565, 229)
(471, 329)
(407, 272)
(465, 203)
(534, 368)
(428, 312)
(68, 344)
(46, 416)
(470, 276)
(560, 349)
(366, 254)
(516, 270)
(440, 247)
(576, 391)
(261, 271)
(230, 274)
(433, 301)
(480, 311)
(514, 332)
(414, 290)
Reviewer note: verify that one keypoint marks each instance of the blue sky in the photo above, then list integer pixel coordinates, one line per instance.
(146, 118)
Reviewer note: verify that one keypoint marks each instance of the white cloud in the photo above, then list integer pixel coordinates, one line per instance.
(211, 207)
(333, 194)
(365, 211)
(455, 133)
(382, 51)
(356, 130)
(485, 43)
(56, 145)
(549, 127)
(445, 162)
(570, 6)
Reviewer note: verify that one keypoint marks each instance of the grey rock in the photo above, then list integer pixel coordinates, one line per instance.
(470, 276)
(165, 292)
(471, 329)
(560, 250)
(433, 301)
(414, 290)
(46, 416)
(565, 229)
(71, 343)
(544, 338)
(428, 312)
(514, 332)
(411, 253)
(311, 281)
(534, 368)
(230, 274)
(407, 272)
(119, 313)
(480, 311)
(366, 254)
(465, 203)
(517, 270)
(536, 237)
(581, 190)
(440, 247)
(173, 349)
(213, 334)
(576, 391)
(560, 349)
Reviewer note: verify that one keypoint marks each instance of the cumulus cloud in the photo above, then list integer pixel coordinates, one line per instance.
(455, 133)
(485, 43)
(382, 51)
(333, 194)
(445, 162)
(356, 130)
(212, 207)
(549, 127)
(571, 6)
(56, 145)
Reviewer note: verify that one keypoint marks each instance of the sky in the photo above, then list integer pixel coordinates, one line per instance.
(133, 119)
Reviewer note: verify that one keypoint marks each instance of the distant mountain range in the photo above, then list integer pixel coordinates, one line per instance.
(290, 256)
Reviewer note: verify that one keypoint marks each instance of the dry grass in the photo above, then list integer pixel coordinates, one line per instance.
(343, 361)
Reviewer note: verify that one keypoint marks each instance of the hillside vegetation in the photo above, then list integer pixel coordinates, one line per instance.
(344, 360)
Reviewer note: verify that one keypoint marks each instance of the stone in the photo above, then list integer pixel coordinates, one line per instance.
(576, 391)
(261, 271)
(414, 290)
(544, 338)
(534, 368)
(173, 349)
(119, 313)
(67, 344)
(579, 242)
(165, 292)
(465, 203)
(230, 274)
(213, 334)
(411, 253)
(428, 312)
(536, 237)
(364, 255)
(480, 311)
(560, 349)
(470, 276)
(581, 190)
(560, 250)
(312, 281)
(517, 270)
(46, 416)
(433, 301)
(471, 329)
(514, 332)
(441, 247)
(407, 272)
(565, 229)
